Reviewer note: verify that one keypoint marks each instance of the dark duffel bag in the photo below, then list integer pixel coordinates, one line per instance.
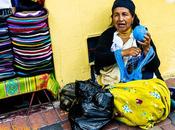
(67, 96)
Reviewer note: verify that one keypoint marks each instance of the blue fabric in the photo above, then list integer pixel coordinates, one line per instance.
(147, 75)
(136, 74)
(15, 3)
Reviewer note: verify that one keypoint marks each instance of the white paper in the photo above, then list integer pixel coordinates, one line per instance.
(5, 4)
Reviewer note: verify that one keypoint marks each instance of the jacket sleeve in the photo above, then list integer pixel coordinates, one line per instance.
(103, 55)
(154, 64)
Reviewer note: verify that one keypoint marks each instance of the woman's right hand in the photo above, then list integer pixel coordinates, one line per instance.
(133, 51)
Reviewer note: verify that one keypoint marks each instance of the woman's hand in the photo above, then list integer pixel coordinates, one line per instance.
(133, 51)
(146, 43)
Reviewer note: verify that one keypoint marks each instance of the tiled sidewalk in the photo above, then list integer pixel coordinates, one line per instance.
(46, 118)
(38, 117)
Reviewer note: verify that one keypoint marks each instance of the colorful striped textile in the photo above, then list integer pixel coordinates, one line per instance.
(22, 85)
(28, 17)
(31, 42)
(6, 53)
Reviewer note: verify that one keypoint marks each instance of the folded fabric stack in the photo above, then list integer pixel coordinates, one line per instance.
(31, 42)
(6, 55)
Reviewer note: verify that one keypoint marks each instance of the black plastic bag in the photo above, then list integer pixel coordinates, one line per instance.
(93, 107)
(67, 96)
(172, 94)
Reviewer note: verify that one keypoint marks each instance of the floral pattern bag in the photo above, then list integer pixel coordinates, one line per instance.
(141, 103)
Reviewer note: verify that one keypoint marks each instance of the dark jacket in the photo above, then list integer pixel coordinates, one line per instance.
(104, 56)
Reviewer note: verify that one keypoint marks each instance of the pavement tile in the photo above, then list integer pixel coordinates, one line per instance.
(170, 82)
(165, 122)
(156, 128)
(168, 127)
(63, 114)
(36, 121)
(172, 117)
(47, 117)
(66, 125)
(112, 125)
(50, 116)
(5, 126)
(125, 127)
(19, 123)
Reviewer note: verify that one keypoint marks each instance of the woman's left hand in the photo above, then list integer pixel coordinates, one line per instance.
(146, 43)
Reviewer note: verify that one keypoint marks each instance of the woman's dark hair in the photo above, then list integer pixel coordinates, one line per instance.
(136, 21)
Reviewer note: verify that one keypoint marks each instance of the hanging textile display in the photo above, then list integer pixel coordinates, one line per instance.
(26, 61)
(6, 55)
(31, 42)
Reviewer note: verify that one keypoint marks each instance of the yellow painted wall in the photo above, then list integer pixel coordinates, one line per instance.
(73, 21)
(159, 17)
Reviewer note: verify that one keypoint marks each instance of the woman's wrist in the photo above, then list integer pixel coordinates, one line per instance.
(146, 49)
(123, 52)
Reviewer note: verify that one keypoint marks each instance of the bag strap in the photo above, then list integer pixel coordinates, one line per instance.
(137, 73)
(121, 65)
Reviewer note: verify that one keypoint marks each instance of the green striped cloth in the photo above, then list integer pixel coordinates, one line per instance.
(22, 85)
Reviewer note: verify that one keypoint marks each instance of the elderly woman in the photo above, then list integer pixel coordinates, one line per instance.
(124, 20)
(141, 102)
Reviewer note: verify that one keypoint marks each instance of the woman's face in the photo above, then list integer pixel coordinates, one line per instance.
(122, 19)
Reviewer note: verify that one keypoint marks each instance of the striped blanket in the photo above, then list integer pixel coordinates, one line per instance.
(22, 85)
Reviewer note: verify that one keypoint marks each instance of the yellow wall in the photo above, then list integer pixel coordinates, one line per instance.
(73, 21)
(159, 17)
